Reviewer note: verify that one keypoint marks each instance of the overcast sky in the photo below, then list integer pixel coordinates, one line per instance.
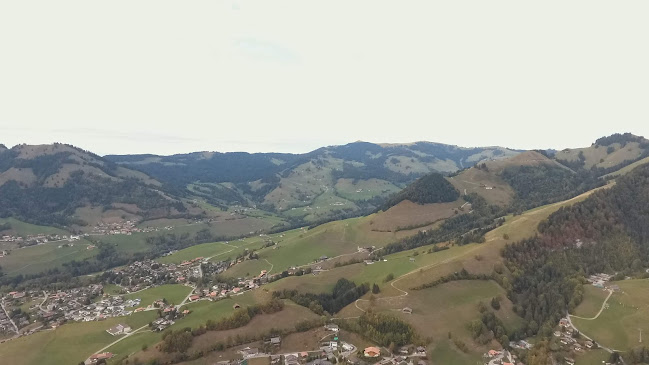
(166, 77)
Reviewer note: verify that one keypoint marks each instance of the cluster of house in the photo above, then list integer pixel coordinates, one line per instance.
(10, 324)
(500, 357)
(127, 227)
(407, 355)
(599, 280)
(38, 239)
(568, 342)
(522, 345)
(115, 306)
(6, 326)
(144, 274)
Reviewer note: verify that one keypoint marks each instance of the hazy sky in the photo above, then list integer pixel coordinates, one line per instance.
(166, 76)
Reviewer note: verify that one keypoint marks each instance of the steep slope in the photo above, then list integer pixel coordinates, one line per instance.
(606, 233)
(46, 184)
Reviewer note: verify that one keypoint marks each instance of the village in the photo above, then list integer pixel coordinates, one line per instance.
(329, 352)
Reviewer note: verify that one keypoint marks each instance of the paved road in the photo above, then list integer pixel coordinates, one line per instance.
(10, 320)
(122, 338)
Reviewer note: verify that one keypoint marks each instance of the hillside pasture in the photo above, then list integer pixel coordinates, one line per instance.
(356, 190)
(626, 169)
(21, 228)
(68, 344)
(173, 293)
(200, 312)
(408, 215)
(599, 156)
(592, 302)
(627, 312)
(39, 258)
(475, 180)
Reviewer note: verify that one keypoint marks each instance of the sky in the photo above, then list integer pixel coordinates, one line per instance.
(165, 77)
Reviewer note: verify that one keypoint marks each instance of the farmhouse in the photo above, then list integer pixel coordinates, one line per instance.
(103, 356)
(276, 341)
(331, 327)
(407, 310)
(119, 329)
(248, 352)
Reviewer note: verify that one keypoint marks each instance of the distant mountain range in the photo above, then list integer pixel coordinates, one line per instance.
(64, 185)
(328, 182)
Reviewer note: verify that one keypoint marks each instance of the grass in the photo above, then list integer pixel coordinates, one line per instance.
(247, 268)
(592, 302)
(68, 344)
(203, 250)
(617, 327)
(23, 228)
(112, 289)
(355, 190)
(449, 308)
(200, 312)
(591, 357)
(626, 169)
(600, 157)
(34, 259)
(445, 352)
(174, 293)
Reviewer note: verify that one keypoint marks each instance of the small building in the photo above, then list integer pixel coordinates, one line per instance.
(248, 352)
(236, 306)
(407, 310)
(332, 327)
(119, 329)
(194, 297)
(291, 359)
(276, 341)
(103, 356)
(372, 352)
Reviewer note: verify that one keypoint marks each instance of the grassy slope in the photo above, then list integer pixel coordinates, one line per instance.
(617, 327)
(200, 313)
(627, 169)
(364, 189)
(34, 259)
(68, 344)
(23, 229)
(595, 154)
(593, 299)
(174, 293)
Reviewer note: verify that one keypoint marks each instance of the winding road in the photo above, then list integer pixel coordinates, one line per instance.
(610, 292)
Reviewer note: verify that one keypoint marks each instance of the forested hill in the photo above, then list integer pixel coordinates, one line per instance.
(431, 188)
(47, 184)
(608, 232)
(606, 154)
(328, 183)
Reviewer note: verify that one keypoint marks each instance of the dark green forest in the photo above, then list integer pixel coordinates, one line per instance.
(548, 270)
(431, 188)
